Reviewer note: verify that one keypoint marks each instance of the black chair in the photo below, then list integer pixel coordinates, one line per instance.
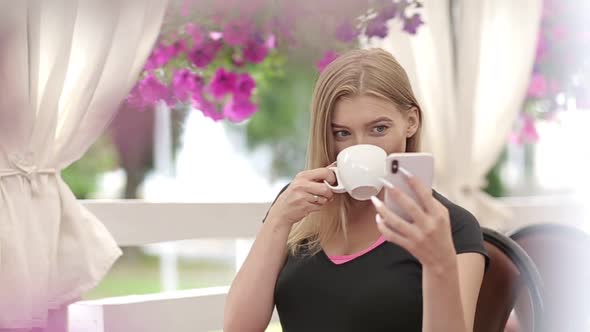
(561, 254)
(510, 271)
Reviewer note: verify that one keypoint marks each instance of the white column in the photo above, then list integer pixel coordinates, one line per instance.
(164, 168)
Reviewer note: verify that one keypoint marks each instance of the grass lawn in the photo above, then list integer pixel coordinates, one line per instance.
(139, 274)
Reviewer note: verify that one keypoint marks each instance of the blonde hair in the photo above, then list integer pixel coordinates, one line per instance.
(372, 72)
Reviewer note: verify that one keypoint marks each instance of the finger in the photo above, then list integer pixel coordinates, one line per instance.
(393, 221)
(318, 188)
(423, 192)
(317, 200)
(413, 209)
(319, 174)
(392, 235)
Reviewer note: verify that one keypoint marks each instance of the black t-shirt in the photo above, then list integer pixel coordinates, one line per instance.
(378, 291)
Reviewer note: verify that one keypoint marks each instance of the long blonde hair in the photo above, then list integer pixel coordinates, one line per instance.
(358, 72)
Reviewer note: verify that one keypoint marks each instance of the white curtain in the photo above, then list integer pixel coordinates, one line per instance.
(471, 89)
(65, 65)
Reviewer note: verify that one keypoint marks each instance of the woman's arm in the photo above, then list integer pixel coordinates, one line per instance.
(250, 300)
(450, 293)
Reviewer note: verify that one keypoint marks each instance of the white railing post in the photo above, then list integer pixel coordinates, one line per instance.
(164, 166)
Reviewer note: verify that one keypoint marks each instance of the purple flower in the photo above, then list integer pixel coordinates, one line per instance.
(239, 109)
(244, 86)
(389, 11)
(346, 32)
(176, 48)
(160, 56)
(538, 86)
(411, 24)
(148, 91)
(195, 32)
(329, 56)
(255, 50)
(185, 83)
(377, 27)
(236, 33)
(202, 55)
(222, 83)
(208, 108)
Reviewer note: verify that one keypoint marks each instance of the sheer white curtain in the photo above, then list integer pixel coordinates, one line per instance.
(65, 65)
(471, 88)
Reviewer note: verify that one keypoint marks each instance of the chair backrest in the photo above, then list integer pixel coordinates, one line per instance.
(509, 272)
(561, 254)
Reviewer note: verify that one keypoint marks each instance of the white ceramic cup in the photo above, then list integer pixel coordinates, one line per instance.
(358, 169)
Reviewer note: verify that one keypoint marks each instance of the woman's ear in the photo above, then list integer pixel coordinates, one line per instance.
(413, 121)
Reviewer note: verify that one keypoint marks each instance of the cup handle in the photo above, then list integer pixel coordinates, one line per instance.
(339, 189)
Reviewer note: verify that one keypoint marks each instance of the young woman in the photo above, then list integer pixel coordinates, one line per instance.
(332, 263)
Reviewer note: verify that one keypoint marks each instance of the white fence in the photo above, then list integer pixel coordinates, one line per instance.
(201, 310)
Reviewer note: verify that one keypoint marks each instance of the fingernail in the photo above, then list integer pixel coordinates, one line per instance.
(376, 201)
(386, 183)
(405, 172)
(378, 219)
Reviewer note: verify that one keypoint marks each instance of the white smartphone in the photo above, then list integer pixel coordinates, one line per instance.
(420, 165)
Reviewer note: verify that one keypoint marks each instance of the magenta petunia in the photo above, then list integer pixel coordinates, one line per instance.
(202, 55)
(222, 83)
(148, 91)
(377, 27)
(236, 33)
(244, 86)
(185, 84)
(329, 56)
(255, 49)
(208, 108)
(238, 109)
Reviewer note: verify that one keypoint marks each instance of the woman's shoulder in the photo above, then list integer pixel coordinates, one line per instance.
(458, 215)
(467, 234)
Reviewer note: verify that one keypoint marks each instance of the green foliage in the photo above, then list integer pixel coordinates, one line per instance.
(282, 121)
(82, 176)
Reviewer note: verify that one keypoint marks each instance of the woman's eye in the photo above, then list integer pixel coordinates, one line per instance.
(341, 133)
(380, 129)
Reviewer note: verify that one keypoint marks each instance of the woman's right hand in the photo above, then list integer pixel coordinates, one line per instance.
(307, 193)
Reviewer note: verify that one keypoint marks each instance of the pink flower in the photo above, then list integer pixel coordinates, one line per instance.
(538, 86)
(236, 33)
(222, 83)
(202, 55)
(244, 86)
(195, 32)
(185, 84)
(208, 108)
(347, 32)
(255, 50)
(148, 91)
(529, 130)
(329, 56)
(160, 56)
(176, 48)
(238, 110)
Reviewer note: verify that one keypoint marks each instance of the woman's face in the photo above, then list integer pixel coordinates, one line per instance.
(365, 119)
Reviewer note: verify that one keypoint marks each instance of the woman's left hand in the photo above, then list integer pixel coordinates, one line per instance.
(428, 235)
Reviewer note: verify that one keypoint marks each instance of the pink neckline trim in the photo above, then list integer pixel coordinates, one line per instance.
(347, 258)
